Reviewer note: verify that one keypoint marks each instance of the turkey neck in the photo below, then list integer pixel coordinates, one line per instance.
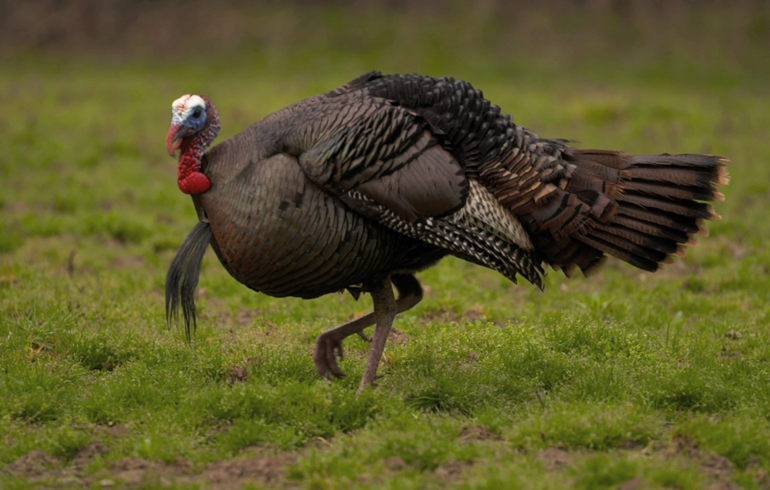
(190, 178)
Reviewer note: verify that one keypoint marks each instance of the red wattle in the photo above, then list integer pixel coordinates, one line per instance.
(194, 183)
(193, 146)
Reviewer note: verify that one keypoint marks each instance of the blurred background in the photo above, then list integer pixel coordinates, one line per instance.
(427, 35)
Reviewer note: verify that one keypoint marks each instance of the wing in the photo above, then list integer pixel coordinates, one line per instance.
(386, 154)
(386, 161)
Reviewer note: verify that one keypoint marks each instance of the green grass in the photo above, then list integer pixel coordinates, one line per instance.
(631, 375)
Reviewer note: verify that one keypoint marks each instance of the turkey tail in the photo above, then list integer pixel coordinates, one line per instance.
(182, 277)
(659, 203)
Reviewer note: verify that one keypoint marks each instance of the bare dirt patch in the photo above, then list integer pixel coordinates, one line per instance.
(39, 466)
(441, 315)
(718, 465)
(133, 472)
(719, 469)
(34, 465)
(554, 458)
(635, 484)
(683, 445)
(234, 474)
(118, 430)
(475, 314)
(88, 453)
(478, 433)
(452, 470)
(395, 463)
(245, 318)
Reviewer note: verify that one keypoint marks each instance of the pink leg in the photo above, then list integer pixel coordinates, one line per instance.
(329, 344)
(384, 313)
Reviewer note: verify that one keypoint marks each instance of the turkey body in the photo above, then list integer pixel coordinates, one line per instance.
(363, 186)
(278, 233)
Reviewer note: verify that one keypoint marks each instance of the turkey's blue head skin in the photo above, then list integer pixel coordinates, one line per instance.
(188, 116)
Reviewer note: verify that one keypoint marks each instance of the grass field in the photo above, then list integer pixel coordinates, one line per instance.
(628, 380)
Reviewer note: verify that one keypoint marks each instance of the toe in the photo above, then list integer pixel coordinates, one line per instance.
(325, 358)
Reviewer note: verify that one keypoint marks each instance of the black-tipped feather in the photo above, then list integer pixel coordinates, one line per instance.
(670, 220)
(182, 277)
(681, 208)
(667, 190)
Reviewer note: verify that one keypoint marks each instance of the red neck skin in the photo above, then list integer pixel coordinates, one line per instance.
(190, 178)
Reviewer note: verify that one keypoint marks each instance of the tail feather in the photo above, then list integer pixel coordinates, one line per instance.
(695, 161)
(617, 241)
(676, 176)
(642, 209)
(680, 208)
(647, 228)
(660, 218)
(648, 241)
(667, 190)
(621, 253)
(660, 205)
(183, 274)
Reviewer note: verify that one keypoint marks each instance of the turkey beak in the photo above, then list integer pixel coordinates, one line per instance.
(174, 134)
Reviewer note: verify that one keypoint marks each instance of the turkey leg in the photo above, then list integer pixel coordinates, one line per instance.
(384, 313)
(329, 344)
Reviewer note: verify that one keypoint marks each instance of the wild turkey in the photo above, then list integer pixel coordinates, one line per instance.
(363, 186)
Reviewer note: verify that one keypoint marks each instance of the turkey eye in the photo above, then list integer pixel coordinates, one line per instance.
(197, 113)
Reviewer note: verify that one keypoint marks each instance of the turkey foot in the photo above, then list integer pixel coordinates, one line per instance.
(327, 348)
(329, 344)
